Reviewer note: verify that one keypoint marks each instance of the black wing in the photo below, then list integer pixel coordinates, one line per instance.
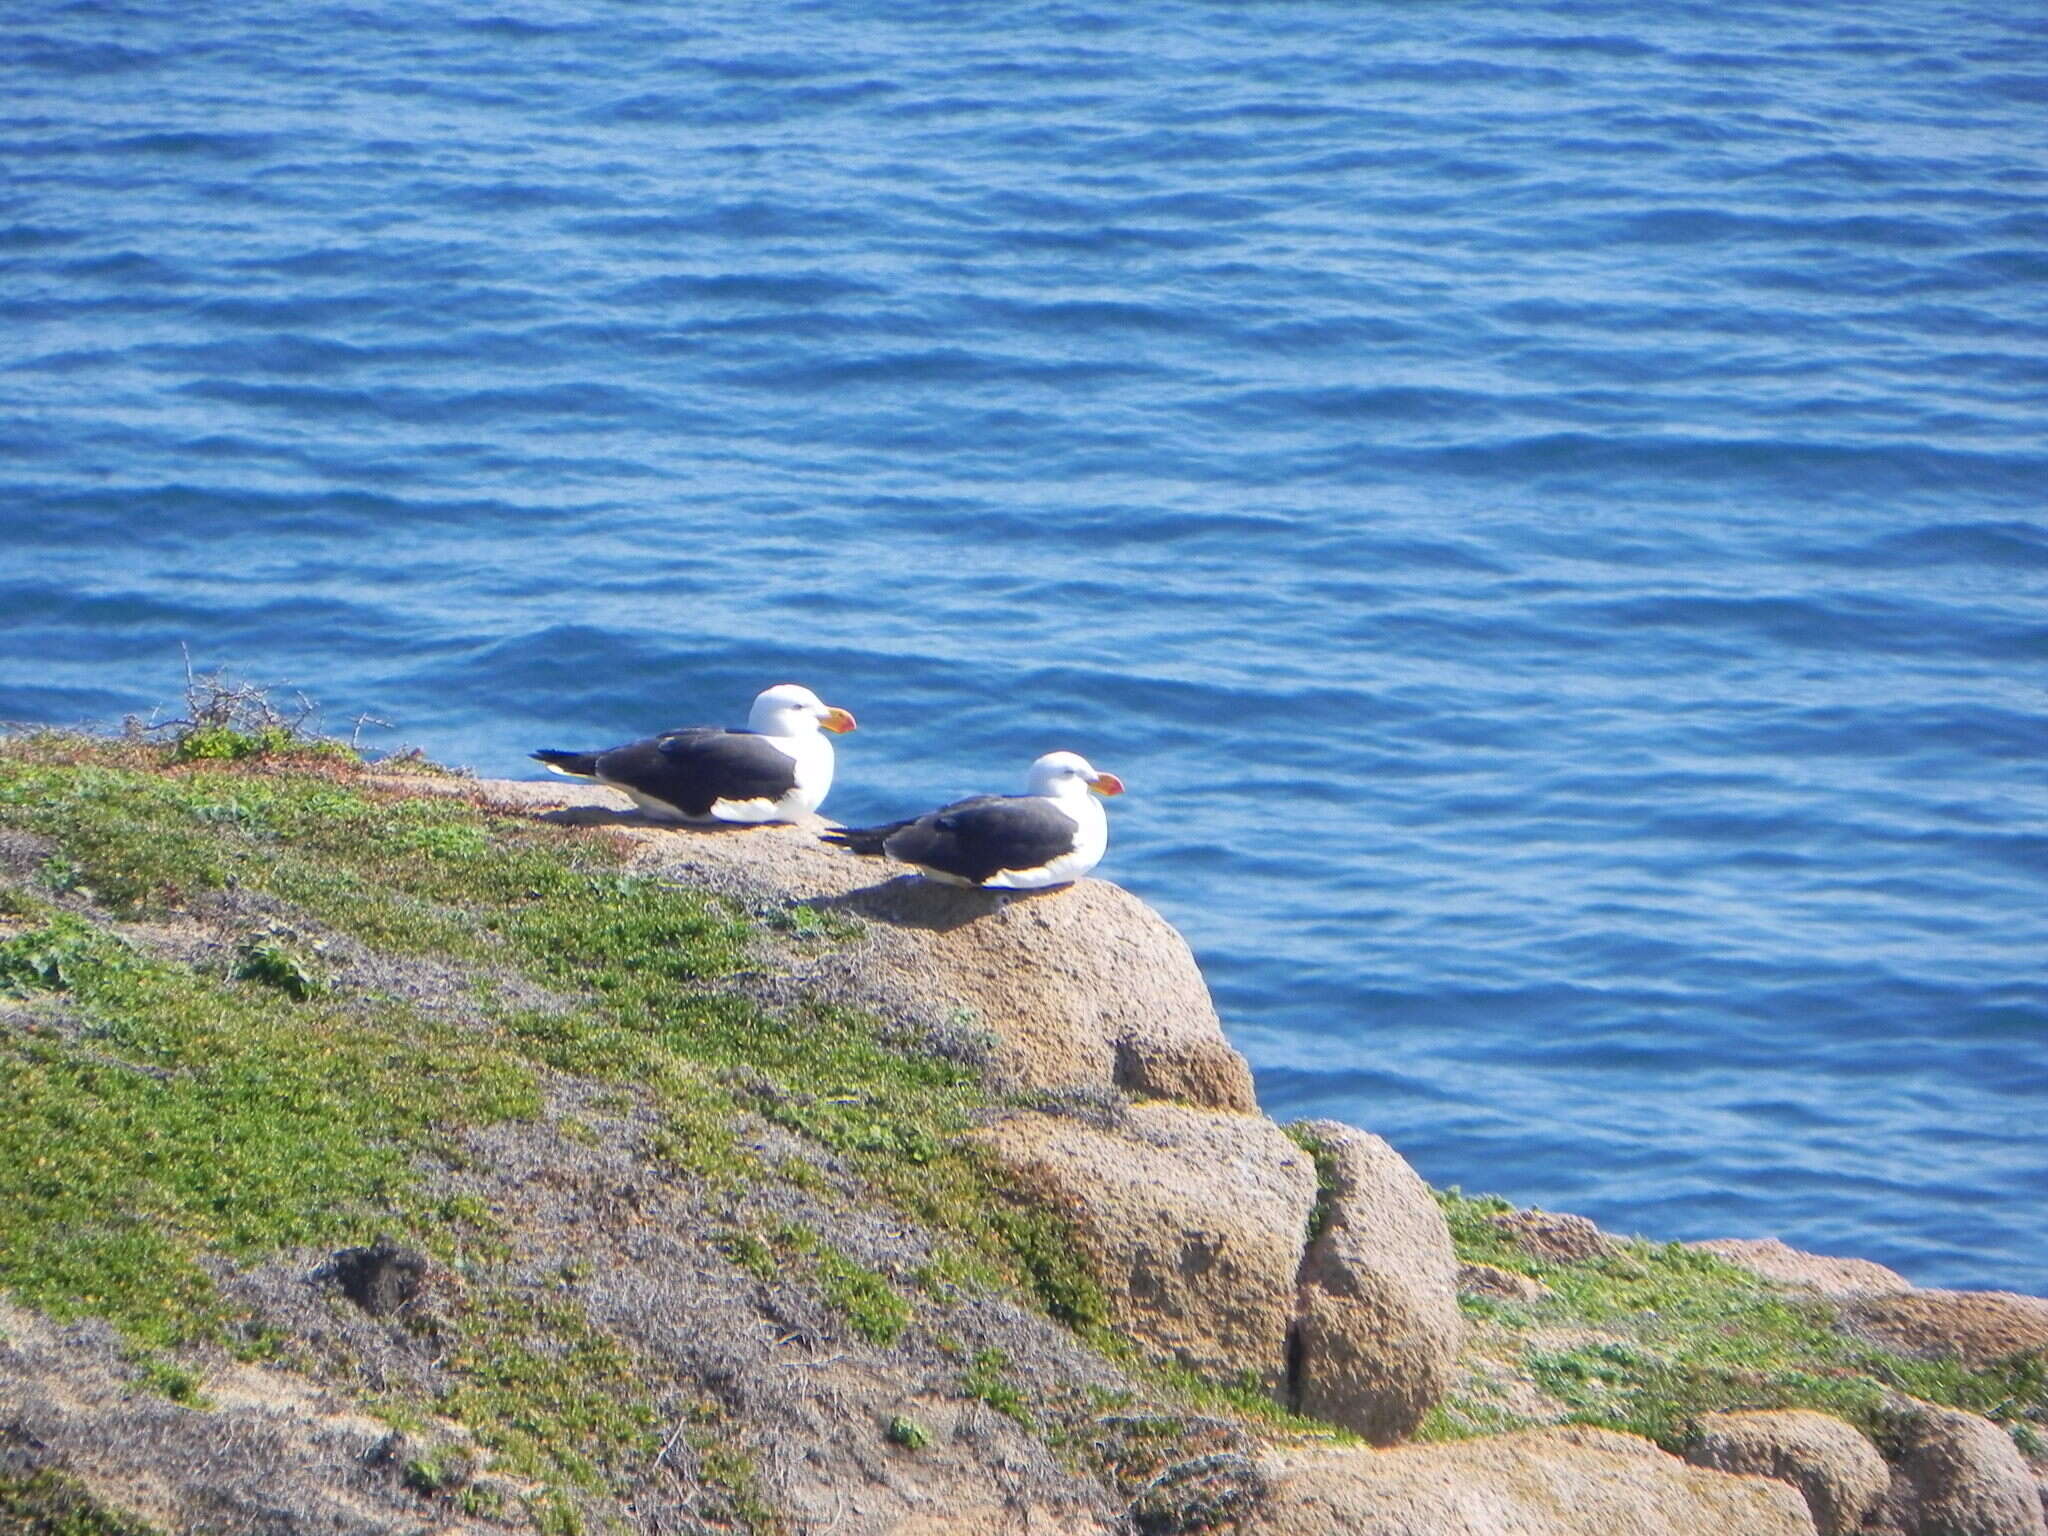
(690, 769)
(869, 840)
(977, 838)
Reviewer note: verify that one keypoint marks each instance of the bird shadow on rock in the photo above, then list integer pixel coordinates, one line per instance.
(911, 901)
(605, 816)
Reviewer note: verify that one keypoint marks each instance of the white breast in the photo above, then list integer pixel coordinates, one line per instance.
(1091, 841)
(812, 755)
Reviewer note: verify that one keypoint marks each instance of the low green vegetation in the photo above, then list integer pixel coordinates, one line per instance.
(212, 1052)
(871, 1307)
(252, 1004)
(47, 1503)
(988, 1378)
(908, 1433)
(1647, 1338)
(186, 1114)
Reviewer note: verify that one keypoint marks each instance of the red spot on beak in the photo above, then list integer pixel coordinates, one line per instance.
(1107, 784)
(836, 720)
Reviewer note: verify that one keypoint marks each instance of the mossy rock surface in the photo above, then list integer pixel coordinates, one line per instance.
(1647, 1337)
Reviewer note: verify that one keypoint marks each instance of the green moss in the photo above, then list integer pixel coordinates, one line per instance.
(47, 1503)
(549, 1395)
(1676, 1332)
(191, 1116)
(871, 1306)
(225, 744)
(908, 1433)
(1326, 1177)
(987, 1378)
(272, 963)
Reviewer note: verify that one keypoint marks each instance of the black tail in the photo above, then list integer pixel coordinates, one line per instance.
(863, 839)
(582, 764)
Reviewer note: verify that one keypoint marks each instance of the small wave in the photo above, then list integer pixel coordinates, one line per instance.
(1849, 469)
(935, 365)
(37, 237)
(206, 146)
(587, 399)
(1391, 402)
(1854, 622)
(1995, 545)
(1701, 226)
(808, 289)
(1597, 44)
(130, 268)
(754, 219)
(518, 28)
(1457, 72)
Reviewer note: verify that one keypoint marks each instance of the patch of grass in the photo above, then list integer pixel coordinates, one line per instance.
(167, 1378)
(438, 1471)
(751, 1252)
(51, 957)
(439, 877)
(48, 1503)
(1670, 1332)
(987, 1378)
(908, 1433)
(871, 1306)
(734, 1482)
(191, 1117)
(1241, 1398)
(225, 744)
(549, 1395)
(275, 963)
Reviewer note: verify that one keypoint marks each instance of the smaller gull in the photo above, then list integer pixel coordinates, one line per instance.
(1050, 835)
(777, 769)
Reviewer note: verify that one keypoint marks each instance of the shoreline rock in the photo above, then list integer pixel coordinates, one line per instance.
(811, 1314)
(1084, 988)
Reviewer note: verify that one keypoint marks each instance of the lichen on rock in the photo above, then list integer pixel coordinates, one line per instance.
(1835, 1468)
(1558, 1482)
(1194, 1219)
(1379, 1328)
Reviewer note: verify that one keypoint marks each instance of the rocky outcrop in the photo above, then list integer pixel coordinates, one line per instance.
(1081, 988)
(1500, 1284)
(1560, 1482)
(1836, 1470)
(1769, 1259)
(1976, 1327)
(1197, 1212)
(1378, 1336)
(1956, 1474)
(1194, 1220)
(1553, 1236)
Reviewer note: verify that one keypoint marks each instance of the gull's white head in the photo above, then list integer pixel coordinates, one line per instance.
(1061, 774)
(789, 709)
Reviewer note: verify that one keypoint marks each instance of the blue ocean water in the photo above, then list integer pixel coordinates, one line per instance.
(1541, 503)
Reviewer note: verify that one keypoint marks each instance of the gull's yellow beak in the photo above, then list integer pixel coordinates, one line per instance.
(836, 720)
(1107, 784)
